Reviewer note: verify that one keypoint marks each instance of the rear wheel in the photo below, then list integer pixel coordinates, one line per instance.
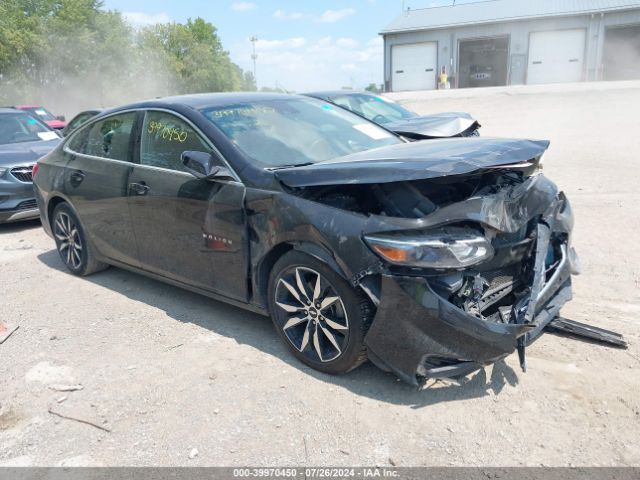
(321, 318)
(73, 246)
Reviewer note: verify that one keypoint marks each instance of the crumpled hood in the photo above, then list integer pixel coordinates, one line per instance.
(440, 125)
(15, 154)
(414, 161)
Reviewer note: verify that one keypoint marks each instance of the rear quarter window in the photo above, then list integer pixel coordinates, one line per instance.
(107, 138)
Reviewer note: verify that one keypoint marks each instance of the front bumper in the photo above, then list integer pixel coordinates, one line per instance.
(17, 200)
(415, 328)
(8, 216)
(418, 334)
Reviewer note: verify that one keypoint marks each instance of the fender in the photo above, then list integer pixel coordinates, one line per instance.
(321, 254)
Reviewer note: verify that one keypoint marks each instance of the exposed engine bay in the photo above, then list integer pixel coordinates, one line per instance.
(488, 293)
(413, 199)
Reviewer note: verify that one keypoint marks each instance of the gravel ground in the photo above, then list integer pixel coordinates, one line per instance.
(178, 379)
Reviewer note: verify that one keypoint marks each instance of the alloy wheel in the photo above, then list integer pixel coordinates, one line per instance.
(311, 314)
(69, 241)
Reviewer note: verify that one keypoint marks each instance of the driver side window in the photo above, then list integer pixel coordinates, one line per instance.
(164, 138)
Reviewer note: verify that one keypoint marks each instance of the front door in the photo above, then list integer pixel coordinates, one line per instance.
(187, 229)
(96, 182)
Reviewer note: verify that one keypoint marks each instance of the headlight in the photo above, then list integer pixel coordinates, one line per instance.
(2, 171)
(451, 248)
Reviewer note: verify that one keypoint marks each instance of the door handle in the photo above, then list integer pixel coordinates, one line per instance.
(139, 188)
(77, 177)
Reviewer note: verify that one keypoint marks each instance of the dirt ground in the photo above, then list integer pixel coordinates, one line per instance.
(179, 379)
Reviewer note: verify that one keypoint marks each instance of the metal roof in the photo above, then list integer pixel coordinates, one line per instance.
(492, 11)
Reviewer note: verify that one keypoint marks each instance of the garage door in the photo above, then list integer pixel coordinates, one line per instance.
(622, 53)
(414, 66)
(556, 57)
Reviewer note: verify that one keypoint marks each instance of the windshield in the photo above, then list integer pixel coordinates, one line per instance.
(296, 131)
(20, 127)
(376, 109)
(42, 113)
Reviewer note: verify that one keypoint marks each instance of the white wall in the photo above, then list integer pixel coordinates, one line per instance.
(519, 33)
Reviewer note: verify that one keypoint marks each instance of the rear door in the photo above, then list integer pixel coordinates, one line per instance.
(187, 229)
(96, 180)
(556, 56)
(414, 66)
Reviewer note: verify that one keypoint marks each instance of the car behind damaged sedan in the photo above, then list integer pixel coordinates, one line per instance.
(432, 259)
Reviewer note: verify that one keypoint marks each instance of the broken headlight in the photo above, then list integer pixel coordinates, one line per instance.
(451, 248)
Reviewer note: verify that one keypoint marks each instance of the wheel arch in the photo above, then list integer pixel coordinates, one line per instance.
(51, 206)
(263, 271)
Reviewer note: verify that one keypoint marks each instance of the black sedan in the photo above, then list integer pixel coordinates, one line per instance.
(398, 119)
(432, 259)
(23, 140)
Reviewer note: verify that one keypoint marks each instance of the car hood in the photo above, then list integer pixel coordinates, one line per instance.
(15, 154)
(440, 125)
(414, 161)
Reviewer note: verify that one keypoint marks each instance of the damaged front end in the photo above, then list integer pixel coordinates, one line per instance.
(499, 276)
(474, 253)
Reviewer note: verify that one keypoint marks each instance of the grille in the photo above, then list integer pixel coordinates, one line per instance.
(497, 279)
(24, 174)
(27, 205)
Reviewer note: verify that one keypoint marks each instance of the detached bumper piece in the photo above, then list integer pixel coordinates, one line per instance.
(581, 330)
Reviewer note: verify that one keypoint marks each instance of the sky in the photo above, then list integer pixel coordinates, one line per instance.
(302, 45)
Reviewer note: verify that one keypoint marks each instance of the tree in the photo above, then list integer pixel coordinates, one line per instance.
(74, 54)
(195, 56)
(373, 88)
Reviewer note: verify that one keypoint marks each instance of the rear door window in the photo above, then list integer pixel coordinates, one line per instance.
(111, 137)
(164, 138)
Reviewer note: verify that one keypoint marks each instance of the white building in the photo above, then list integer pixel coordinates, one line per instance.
(512, 42)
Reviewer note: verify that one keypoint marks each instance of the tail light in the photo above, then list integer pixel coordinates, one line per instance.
(35, 170)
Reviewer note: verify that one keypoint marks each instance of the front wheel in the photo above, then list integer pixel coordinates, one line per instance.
(322, 319)
(73, 245)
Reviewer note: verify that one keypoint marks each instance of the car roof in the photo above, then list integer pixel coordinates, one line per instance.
(336, 93)
(11, 110)
(28, 106)
(201, 101)
(92, 110)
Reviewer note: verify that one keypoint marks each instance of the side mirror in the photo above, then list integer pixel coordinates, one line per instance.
(62, 118)
(202, 165)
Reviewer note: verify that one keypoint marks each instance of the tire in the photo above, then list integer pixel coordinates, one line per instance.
(329, 339)
(72, 243)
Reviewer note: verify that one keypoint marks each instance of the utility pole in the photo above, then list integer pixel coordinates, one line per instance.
(254, 57)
